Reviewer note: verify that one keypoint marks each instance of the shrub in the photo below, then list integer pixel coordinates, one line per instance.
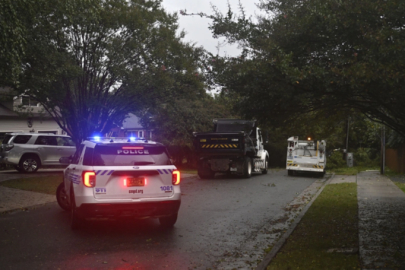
(362, 157)
(335, 160)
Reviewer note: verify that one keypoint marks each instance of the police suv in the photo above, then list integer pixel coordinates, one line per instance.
(115, 177)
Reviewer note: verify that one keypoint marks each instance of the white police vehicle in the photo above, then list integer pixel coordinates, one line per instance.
(115, 177)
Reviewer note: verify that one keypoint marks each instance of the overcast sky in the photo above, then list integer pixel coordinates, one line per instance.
(196, 28)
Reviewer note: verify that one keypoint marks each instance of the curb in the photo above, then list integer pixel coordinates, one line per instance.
(23, 209)
(267, 259)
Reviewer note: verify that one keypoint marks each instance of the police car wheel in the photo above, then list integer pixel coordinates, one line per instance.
(75, 220)
(62, 198)
(247, 168)
(168, 222)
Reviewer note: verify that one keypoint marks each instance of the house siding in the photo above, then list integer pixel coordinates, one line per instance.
(21, 125)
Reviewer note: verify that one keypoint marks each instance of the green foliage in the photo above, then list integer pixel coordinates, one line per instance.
(174, 123)
(362, 157)
(335, 160)
(13, 17)
(91, 62)
(323, 56)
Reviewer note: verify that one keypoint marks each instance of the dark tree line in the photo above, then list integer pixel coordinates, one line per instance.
(316, 56)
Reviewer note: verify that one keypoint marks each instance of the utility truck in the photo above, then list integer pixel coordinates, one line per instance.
(306, 156)
(235, 146)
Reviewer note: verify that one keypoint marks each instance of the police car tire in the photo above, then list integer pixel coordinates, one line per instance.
(75, 220)
(266, 165)
(247, 168)
(168, 222)
(61, 197)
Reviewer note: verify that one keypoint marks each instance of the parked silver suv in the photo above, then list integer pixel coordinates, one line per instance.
(29, 151)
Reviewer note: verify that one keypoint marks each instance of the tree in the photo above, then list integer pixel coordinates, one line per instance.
(91, 62)
(317, 55)
(13, 15)
(175, 122)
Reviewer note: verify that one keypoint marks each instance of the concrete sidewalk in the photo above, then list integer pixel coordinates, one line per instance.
(381, 222)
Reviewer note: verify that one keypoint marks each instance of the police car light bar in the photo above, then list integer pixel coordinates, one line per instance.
(113, 139)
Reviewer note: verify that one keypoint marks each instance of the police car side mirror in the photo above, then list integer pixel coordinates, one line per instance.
(65, 160)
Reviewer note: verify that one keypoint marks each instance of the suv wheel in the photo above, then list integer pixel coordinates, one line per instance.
(29, 164)
(168, 222)
(62, 198)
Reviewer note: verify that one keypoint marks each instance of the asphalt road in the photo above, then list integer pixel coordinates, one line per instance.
(218, 228)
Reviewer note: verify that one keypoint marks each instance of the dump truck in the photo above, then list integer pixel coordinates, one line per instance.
(306, 156)
(234, 146)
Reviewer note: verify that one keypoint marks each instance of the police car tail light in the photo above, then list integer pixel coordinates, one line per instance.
(176, 177)
(89, 179)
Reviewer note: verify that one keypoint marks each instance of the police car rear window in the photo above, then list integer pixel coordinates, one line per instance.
(129, 155)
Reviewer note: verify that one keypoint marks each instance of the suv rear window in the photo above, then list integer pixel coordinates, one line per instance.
(127, 155)
(22, 139)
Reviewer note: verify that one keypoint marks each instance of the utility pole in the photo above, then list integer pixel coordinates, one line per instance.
(382, 170)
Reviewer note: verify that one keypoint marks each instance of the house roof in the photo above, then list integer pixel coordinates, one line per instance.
(132, 122)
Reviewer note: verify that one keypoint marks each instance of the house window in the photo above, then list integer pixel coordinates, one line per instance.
(28, 101)
(150, 135)
(140, 134)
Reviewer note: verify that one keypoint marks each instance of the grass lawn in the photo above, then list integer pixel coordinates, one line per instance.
(188, 171)
(330, 223)
(400, 185)
(43, 184)
(351, 170)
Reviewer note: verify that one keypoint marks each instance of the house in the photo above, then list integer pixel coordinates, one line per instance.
(23, 114)
(132, 127)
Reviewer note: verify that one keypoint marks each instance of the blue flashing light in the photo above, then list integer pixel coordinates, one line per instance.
(96, 138)
(132, 138)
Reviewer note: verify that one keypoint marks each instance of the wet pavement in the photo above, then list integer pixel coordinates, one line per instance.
(15, 199)
(381, 222)
(381, 217)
